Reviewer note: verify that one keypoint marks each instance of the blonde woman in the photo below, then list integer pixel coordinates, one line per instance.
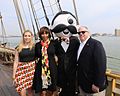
(24, 65)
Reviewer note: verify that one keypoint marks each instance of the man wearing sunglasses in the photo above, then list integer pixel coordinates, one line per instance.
(91, 62)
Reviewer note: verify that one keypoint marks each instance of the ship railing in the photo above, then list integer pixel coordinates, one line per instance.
(7, 55)
(114, 78)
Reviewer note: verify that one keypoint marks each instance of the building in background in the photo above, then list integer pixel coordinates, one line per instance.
(117, 32)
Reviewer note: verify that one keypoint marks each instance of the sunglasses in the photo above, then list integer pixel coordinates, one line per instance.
(44, 33)
(81, 32)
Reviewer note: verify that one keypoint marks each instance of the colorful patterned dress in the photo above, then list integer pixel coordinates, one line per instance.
(25, 69)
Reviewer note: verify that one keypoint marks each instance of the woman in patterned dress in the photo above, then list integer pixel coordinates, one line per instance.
(24, 65)
(44, 80)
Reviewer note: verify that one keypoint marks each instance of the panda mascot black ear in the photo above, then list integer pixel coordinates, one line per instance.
(68, 22)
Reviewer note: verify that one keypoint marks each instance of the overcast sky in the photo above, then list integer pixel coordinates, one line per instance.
(101, 16)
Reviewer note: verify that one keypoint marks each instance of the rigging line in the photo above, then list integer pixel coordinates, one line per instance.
(56, 3)
(51, 7)
(34, 15)
(47, 6)
(53, 4)
(18, 17)
(32, 21)
(60, 9)
(43, 17)
(45, 13)
(24, 14)
(36, 2)
(113, 58)
(38, 9)
(76, 15)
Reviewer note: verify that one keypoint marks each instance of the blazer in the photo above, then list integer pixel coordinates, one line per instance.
(66, 61)
(92, 66)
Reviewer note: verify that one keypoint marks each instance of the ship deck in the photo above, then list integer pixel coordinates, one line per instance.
(6, 86)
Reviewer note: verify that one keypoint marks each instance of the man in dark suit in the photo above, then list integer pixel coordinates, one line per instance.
(91, 64)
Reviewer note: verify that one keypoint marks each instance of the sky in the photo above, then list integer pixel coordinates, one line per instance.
(102, 16)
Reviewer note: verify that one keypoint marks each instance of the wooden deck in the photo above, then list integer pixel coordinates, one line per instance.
(6, 86)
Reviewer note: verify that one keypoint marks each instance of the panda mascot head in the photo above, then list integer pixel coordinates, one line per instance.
(64, 24)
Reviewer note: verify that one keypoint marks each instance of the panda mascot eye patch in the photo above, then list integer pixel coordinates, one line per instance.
(72, 29)
(59, 28)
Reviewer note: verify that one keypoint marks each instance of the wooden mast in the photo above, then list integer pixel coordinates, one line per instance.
(74, 5)
(3, 29)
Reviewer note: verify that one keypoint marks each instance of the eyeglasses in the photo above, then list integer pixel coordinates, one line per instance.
(81, 32)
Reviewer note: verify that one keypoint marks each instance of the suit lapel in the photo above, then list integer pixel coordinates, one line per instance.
(85, 48)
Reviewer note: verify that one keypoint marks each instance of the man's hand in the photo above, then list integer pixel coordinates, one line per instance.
(95, 88)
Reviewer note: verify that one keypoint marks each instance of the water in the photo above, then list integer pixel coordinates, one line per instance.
(112, 48)
(111, 45)
(12, 42)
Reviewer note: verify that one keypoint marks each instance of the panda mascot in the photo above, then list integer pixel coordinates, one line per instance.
(66, 45)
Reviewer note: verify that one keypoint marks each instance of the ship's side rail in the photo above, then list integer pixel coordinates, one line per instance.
(114, 78)
(7, 55)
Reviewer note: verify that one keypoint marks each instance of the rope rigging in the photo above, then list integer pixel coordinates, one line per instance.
(24, 14)
(32, 23)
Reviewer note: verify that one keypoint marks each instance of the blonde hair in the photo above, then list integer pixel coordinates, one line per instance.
(21, 44)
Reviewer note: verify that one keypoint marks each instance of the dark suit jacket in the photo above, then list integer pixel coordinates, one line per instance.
(67, 61)
(92, 66)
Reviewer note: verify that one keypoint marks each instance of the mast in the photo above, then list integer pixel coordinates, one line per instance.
(20, 20)
(3, 29)
(74, 5)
